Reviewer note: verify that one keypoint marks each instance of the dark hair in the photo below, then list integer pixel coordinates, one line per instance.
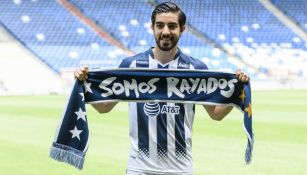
(166, 7)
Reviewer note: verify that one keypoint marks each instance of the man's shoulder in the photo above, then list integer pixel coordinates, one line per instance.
(126, 62)
(196, 63)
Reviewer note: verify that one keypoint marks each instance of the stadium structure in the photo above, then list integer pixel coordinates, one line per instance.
(43, 41)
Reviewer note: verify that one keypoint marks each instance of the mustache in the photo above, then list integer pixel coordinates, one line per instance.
(166, 37)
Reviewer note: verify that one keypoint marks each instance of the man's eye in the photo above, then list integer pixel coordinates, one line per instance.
(172, 27)
(159, 26)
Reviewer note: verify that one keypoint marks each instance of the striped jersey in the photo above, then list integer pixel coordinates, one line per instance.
(161, 132)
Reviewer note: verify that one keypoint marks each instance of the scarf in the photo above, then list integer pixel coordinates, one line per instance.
(71, 140)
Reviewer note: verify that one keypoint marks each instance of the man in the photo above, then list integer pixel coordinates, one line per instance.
(161, 141)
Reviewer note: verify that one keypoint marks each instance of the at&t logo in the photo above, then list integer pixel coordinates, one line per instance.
(152, 109)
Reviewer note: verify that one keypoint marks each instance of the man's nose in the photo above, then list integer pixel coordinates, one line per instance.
(165, 30)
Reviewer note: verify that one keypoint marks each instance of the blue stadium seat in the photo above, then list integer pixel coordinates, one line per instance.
(58, 38)
(296, 9)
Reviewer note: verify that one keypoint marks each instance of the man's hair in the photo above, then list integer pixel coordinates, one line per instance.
(166, 7)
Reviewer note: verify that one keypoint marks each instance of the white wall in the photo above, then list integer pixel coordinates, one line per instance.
(22, 73)
(275, 84)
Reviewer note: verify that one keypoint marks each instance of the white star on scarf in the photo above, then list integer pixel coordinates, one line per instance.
(81, 114)
(82, 95)
(87, 87)
(75, 132)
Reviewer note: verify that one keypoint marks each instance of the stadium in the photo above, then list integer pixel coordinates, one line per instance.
(43, 41)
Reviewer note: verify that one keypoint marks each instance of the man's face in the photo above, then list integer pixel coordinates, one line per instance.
(167, 30)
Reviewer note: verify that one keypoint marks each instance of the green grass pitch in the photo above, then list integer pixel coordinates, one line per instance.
(28, 123)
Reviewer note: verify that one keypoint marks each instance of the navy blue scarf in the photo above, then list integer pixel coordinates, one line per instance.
(179, 86)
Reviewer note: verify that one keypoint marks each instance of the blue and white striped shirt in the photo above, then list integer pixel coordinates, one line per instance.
(161, 132)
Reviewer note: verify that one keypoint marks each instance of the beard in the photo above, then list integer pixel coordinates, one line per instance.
(166, 43)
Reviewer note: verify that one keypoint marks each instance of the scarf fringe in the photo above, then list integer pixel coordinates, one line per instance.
(67, 154)
(248, 152)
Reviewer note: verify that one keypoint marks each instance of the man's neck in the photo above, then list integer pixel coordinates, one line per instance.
(164, 56)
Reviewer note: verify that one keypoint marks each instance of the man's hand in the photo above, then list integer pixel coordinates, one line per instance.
(242, 76)
(81, 73)
(104, 107)
(219, 112)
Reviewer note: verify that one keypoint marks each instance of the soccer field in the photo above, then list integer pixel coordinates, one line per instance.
(28, 123)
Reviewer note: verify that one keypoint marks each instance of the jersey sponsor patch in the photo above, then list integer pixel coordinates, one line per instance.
(168, 109)
(152, 109)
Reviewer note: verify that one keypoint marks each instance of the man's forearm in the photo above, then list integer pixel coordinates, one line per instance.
(218, 112)
(104, 107)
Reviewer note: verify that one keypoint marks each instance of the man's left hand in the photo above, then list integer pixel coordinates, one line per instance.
(242, 76)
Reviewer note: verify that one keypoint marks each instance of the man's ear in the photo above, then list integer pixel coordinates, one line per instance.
(182, 29)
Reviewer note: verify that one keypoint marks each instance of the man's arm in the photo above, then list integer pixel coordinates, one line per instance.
(104, 107)
(81, 74)
(220, 112)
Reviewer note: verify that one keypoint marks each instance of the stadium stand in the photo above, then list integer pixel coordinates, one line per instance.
(132, 28)
(242, 34)
(247, 29)
(237, 21)
(58, 38)
(296, 9)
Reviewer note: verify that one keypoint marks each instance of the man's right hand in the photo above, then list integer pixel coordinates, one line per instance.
(104, 107)
(81, 73)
